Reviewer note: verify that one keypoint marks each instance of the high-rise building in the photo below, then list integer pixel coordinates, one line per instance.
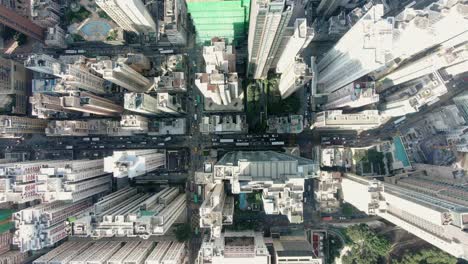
(131, 15)
(461, 101)
(133, 124)
(46, 106)
(78, 77)
(226, 19)
(13, 87)
(20, 180)
(74, 180)
(120, 214)
(13, 126)
(88, 103)
(167, 126)
(175, 23)
(336, 119)
(123, 75)
(429, 26)
(279, 176)
(234, 247)
(268, 21)
(299, 40)
(442, 58)
(44, 64)
(164, 103)
(353, 95)
(223, 124)
(55, 37)
(60, 128)
(133, 163)
(432, 208)
(413, 95)
(372, 38)
(44, 225)
(216, 210)
(220, 83)
(294, 77)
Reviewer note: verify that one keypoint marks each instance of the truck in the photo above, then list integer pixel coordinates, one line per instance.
(242, 144)
(195, 117)
(226, 140)
(69, 147)
(399, 120)
(86, 139)
(95, 139)
(167, 139)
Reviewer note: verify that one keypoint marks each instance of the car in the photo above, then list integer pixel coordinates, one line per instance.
(214, 139)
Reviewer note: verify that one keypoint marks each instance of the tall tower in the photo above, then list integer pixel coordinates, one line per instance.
(131, 15)
(432, 208)
(268, 21)
(362, 50)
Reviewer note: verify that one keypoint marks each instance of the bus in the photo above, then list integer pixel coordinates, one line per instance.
(399, 120)
(195, 198)
(166, 51)
(277, 143)
(198, 99)
(226, 140)
(242, 144)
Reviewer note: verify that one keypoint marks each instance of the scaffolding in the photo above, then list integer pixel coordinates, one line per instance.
(227, 19)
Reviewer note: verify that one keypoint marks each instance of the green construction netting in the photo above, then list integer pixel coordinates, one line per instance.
(223, 19)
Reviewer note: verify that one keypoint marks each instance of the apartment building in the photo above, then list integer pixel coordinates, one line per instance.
(134, 163)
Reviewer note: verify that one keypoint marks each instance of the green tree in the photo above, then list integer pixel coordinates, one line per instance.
(250, 93)
(366, 246)
(20, 38)
(257, 94)
(183, 232)
(103, 15)
(428, 256)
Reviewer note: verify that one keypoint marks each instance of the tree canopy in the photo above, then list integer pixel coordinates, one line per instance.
(183, 232)
(428, 256)
(366, 246)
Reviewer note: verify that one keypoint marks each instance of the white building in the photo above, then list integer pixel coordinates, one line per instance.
(131, 15)
(74, 180)
(128, 212)
(223, 124)
(441, 58)
(175, 25)
(353, 95)
(78, 77)
(55, 37)
(219, 83)
(294, 77)
(44, 64)
(60, 128)
(372, 38)
(268, 20)
(167, 126)
(89, 103)
(43, 225)
(20, 180)
(133, 124)
(164, 103)
(233, 248)
(326, 192)
(13, 126)
(123, 75)
(216, 210)
(414, 204)
(429, 27)
(413, 95)
(336, 119)
(279, 176)
(133, 163)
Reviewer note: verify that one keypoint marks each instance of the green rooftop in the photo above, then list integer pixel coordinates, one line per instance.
(217, 18)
